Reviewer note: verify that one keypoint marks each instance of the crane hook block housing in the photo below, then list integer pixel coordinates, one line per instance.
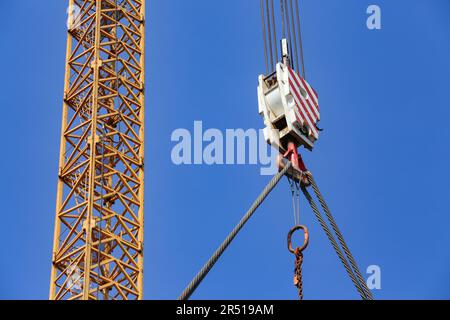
(290, 108)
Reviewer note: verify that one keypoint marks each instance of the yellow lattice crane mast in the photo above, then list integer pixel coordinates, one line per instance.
(99, 227)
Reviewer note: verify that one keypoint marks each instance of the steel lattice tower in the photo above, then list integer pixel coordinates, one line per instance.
(99, 227)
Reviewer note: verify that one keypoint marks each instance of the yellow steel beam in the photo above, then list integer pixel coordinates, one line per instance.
(99, 221)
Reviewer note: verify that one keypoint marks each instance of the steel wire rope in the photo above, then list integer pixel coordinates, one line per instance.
(334, 243)
(302, 58)
(288, 24)
(192, 286)
(283, 33)
(294, 34)
(274, 31)
(339, 235)
(269, 29)
(264, 33)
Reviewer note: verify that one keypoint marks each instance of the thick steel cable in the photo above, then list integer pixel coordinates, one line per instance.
(283, 34)
(302, 58)
(288, 24)
(264, 35)
(217, 254)
(333, 243)
(269, 29)
(340, 237)
(274, 31)
(294, 34)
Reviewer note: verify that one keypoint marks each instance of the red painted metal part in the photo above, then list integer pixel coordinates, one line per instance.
(292, 155)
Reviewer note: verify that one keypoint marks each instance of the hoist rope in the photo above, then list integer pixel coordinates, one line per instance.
(358, 285)
(283, 33)
(291, 31)
(269, 29)
(269, 35)
(294, 33)
(264, 35)
(217, 254)
(274, 31)
(340, 237)
(291, 24)
(288, 24)
(302, 59)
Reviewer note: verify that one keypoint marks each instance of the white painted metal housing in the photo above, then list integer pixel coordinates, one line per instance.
(287, 115)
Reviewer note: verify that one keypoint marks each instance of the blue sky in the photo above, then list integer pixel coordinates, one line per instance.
(382, 161)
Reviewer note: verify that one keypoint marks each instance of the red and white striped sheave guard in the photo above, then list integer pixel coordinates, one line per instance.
(306, 99)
